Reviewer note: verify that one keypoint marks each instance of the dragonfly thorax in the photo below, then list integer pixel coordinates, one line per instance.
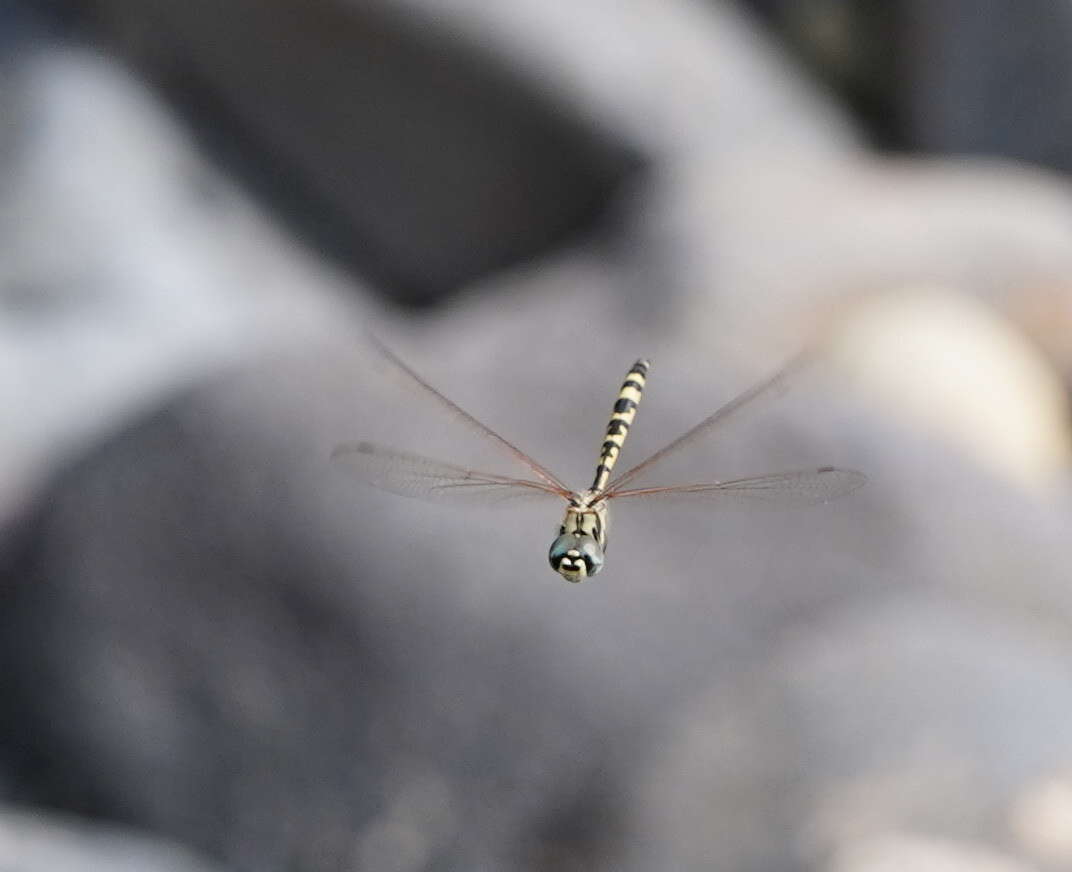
(589, 500)
(578, 551)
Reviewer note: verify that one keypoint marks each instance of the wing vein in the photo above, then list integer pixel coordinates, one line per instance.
(413, 475)
(541, 472)
(709, 423)
(795, 487)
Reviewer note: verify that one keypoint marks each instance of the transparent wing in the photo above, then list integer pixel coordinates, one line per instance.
(708, 425)
(410, 475)
(474, 425)
(799, 487)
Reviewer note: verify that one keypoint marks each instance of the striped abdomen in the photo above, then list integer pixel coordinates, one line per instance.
(618, 428)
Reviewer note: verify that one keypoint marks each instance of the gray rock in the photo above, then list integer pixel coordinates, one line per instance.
(915, 715)
(953, 77)
(234, 634)
(400, 143)
(40, 842)
(209, 631)
(1005, 90)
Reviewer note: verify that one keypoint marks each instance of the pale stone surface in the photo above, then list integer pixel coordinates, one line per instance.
(899, 852)
(131, 269)
(764, 245)
(38, 842)
(951, 365)
(1041, 819)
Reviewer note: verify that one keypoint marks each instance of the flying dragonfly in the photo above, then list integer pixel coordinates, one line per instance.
(579, 549)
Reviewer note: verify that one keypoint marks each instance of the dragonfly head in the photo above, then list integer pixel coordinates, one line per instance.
(576, 556)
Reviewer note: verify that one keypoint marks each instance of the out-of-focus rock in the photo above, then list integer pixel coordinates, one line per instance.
(218, 611)
(898, 852)
(1041, 820)
(209, 631)
(644, 70)
(438, 141)
(756, 246)
(952, 365)
(1044, 313)
(988, 78)
(128, 267)
(957, 76)
(852, 47)
(279, 668)
(896, 717)
(393, 135)
(38, 842)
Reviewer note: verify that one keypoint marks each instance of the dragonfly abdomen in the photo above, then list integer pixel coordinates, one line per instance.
(620, 421)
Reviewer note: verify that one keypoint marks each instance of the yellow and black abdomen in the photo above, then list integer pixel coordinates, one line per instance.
(620, 421)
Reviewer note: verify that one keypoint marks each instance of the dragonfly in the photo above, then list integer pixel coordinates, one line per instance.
(579, 549)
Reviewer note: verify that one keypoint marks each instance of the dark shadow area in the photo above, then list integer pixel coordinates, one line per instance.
(406, 152)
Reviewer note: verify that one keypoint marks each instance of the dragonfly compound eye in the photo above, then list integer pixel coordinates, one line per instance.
(575, 557)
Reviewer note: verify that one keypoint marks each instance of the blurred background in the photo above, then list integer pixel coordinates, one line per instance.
(219, 651)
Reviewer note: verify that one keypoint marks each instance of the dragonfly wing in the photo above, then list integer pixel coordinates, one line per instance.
(469, 421)
(779, 490)
(411, 475)
(750, 398)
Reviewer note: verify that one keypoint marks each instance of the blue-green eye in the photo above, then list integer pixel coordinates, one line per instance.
(575, 557)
